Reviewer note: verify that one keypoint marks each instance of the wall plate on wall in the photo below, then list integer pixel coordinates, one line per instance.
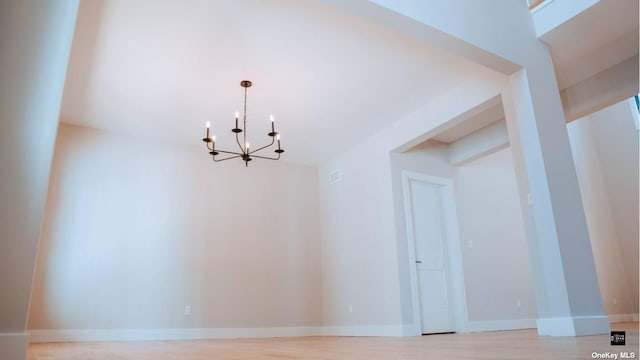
(335, 176)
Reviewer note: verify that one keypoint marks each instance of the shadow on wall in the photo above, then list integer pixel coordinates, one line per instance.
(132, 237)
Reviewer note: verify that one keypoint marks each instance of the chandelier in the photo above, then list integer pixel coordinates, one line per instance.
(245, 153)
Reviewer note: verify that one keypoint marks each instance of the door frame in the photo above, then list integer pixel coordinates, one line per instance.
(454, 251)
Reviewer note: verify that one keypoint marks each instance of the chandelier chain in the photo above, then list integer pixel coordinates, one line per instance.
(244, 122)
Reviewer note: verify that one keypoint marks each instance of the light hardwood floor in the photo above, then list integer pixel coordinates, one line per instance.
(511, 345)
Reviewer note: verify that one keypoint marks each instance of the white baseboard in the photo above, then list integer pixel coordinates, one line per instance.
(373, 330)
(13, 346)
(574, 326)
(499, 325)
(583, 325)
(554, 327)
(619, 318)
(80, 335)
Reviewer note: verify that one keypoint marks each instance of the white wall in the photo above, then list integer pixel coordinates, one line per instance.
(134, 231)
(605, 149)
(359, 261)
(496, 259)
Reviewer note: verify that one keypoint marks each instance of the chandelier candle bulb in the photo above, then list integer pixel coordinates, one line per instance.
(208, 124)
(272, 123)
(246, 146)
(237, 116)
(278, 137)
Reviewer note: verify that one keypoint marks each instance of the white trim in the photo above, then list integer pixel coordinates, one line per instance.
(591, 325)
(574, 326)
(453, 248)
(413, 275)
(373, 330)
(500, 325)
(555, 326)
(86, 335)
(65, 335)
(19, 340)
(13, 345)
(620, 318)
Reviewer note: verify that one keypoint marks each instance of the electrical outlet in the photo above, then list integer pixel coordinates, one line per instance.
(350, 308)
(470, 244)
(615, 301)
(187, 310)
(518, 303)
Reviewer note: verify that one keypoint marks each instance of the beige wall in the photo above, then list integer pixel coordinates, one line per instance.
(359, 262)
(134, 231)
(133, 234)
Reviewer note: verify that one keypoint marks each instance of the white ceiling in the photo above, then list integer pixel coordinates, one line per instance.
(160, 69)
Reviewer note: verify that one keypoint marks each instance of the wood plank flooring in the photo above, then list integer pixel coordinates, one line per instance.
(511, 345)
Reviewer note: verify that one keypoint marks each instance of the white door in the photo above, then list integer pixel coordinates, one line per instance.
(432, 266)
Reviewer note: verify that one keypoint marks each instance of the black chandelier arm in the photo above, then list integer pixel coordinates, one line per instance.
(227, 158)
(265, 157)
(229, 152)
(273, 140)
